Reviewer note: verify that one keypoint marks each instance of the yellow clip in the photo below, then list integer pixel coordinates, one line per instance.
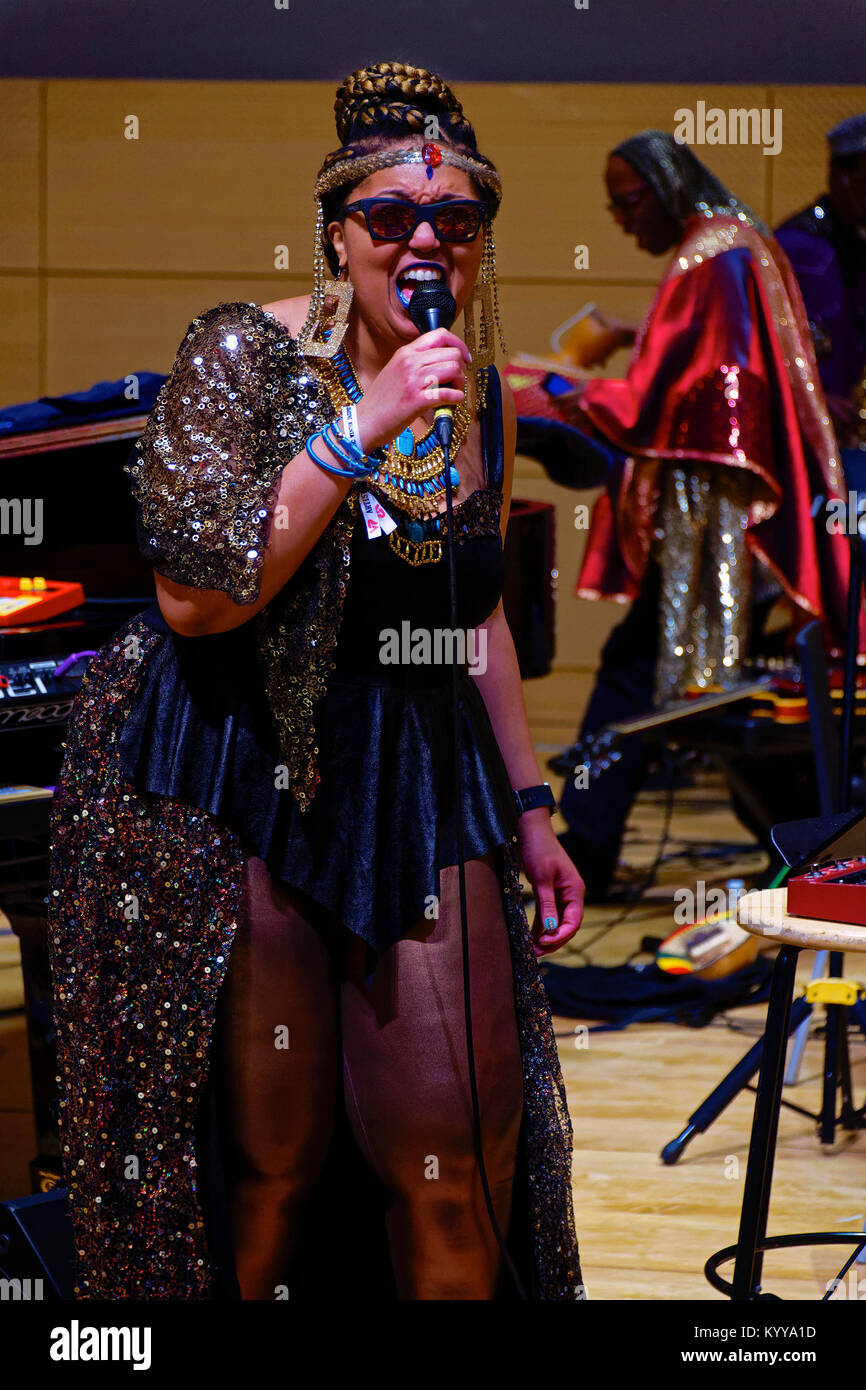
(833, 991)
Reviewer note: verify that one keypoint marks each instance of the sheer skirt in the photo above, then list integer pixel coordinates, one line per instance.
(310, 1020)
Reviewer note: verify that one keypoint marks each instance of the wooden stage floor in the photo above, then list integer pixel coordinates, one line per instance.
(645, 1229)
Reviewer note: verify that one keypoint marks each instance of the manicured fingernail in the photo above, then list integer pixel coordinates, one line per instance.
(550, 924)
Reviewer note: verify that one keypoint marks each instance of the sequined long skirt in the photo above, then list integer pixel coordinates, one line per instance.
(145, 897)
(700, 547)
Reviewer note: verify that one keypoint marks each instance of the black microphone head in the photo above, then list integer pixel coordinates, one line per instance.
(432, 306)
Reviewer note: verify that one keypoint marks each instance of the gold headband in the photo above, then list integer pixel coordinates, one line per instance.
(349, 169)
(311, 339)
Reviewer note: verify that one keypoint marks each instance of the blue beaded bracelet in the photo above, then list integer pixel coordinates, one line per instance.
(354, 471)
(341, 473)
(349, 453)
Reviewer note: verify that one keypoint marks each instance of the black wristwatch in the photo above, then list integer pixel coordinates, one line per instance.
(528, 798)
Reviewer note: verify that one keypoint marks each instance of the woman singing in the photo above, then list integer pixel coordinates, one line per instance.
(255, 914)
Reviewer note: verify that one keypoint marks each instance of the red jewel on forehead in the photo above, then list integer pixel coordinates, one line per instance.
(432, 156)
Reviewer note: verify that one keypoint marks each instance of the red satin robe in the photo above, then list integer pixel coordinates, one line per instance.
(723, 370)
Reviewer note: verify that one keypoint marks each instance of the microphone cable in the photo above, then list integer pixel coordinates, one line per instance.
(433, 306)
(443, 429)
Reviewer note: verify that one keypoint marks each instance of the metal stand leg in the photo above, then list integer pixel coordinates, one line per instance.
(731, 1085)
(765, 1125)
(798, 1045)
(827, 1125)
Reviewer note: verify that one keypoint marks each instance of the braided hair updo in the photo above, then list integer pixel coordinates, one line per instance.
(387, 104)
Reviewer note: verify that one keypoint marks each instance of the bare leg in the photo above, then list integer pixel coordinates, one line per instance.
(407, 1088)
(280, 1053)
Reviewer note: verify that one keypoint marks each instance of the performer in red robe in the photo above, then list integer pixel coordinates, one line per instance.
(725, 458)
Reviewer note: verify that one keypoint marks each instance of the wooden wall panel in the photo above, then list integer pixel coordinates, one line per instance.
(800, 171)
(109, 246)
(19, 339)
(551, 142)
(20, 148)
(220, 173)
(117, 324)
(531, 312)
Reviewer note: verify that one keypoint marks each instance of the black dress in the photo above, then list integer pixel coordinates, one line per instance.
(200, 731)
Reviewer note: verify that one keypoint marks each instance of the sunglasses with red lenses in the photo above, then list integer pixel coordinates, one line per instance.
(395, 219)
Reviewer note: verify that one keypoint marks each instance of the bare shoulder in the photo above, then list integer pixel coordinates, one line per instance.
(292, 313)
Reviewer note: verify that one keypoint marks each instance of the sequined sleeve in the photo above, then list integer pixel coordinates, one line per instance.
(205, 472)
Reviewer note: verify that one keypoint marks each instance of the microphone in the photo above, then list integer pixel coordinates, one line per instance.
(433, 306)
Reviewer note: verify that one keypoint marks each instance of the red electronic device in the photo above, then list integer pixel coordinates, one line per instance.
(831, 885)
(24, 600)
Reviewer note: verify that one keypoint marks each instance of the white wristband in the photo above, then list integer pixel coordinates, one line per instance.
(350, 430)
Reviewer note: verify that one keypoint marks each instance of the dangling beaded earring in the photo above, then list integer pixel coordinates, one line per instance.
(483, 348)
(310, 339)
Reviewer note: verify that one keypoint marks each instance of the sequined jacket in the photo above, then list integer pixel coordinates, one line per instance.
(237, 406)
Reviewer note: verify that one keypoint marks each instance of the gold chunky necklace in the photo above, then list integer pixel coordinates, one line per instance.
(412, 476)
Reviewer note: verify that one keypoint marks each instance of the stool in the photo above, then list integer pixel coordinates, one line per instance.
(763, 913)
